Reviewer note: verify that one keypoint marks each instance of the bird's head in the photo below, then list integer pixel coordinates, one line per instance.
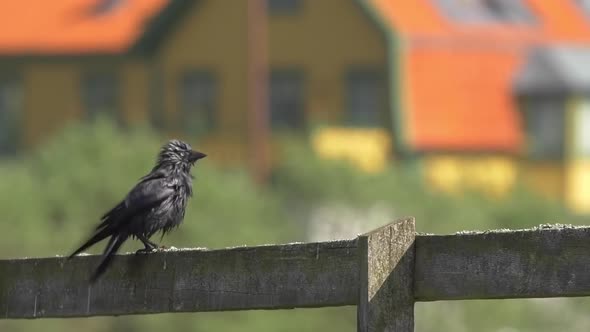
(177, 153)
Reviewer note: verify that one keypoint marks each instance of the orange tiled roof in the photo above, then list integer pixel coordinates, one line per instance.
(457, 78)
(73, 26)
(461, 100)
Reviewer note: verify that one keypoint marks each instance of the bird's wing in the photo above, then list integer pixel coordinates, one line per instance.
(151, 190)
(145, 195)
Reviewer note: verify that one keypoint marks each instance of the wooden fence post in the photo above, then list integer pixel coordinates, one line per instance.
(386, 257)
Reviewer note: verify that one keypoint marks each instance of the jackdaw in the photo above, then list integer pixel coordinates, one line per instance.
(156, 203)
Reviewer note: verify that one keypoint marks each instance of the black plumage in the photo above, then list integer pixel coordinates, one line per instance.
(156, 203)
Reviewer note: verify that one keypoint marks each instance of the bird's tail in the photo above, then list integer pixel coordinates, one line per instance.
(113, 246)
(97, 237)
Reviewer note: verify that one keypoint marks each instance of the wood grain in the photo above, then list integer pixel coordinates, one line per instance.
(548, 261)
(264, 277)
(386, 257)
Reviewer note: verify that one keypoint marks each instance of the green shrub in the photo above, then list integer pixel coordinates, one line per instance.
(52, 198)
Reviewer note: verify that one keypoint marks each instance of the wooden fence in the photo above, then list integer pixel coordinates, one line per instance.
(383, 272)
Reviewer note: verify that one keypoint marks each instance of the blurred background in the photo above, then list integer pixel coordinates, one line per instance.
(322, 119)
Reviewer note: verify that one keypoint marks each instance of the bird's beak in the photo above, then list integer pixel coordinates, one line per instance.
(196, 155)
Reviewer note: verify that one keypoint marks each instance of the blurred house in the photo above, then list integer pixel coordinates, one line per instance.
(457, 86)
(553, 89)
(469, 103)
(176, 63)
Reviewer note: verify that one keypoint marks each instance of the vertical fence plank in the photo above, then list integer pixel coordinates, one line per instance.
(386, 257)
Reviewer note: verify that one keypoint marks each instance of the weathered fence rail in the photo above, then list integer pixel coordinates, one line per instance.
(383, 272)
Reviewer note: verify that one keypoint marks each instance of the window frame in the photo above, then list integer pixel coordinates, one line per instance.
(380, 77)
(581, 137)
(201, 77)
(13, 146)
(115, 109)
(298, 76)
(531, 105)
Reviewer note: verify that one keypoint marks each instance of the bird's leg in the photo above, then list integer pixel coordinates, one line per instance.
(149, 245)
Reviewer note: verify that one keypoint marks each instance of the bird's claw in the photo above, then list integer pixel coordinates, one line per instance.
(146, 250)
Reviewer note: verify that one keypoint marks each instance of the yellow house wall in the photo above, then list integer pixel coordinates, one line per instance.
(51, 98)
(492, 174)
(577, 195)
(135, 94)
(577, 166)
(324, 39)
(211, 37)
(545, 177)
(567, 180)
(367, 148)
(497, 174)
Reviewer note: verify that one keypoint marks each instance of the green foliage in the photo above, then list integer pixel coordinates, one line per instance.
(52, 197)
(60, 190)
(304, 177)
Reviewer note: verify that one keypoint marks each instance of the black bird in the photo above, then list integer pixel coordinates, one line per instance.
(156, 203)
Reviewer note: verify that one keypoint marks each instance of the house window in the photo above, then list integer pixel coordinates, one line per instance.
(101, 95)
(198, 98)
(283, 6)
(286, 99)
(487, 11)
(365, 96)
(11, 107)
(545, 127)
